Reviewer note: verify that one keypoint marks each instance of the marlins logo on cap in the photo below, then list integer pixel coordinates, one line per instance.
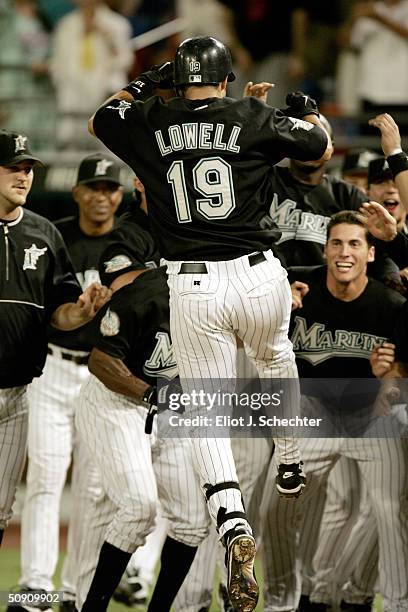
(14, 149)
(98, 167)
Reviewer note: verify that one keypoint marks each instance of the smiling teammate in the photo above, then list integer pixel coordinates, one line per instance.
(337, 325)
(37, 287)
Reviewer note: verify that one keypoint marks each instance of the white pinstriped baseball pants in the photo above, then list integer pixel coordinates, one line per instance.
(52, 443)
(252, 457)
(135, 469)
(13, 445)
(383, 464)
(207, 312)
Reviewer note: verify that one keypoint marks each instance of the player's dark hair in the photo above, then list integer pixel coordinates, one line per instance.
(350, 217)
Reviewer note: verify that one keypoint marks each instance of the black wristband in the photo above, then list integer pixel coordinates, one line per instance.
(397, 163)
(150, 395)
(141, 88)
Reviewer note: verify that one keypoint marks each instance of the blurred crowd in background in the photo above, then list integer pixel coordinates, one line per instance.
(60, 58)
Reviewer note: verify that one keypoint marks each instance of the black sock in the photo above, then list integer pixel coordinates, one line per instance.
(176, 560)
(1, 535)
(112, 563)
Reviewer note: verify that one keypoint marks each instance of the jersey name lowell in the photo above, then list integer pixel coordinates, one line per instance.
(315, 344)
(161, 363)
(205, 136)
(297, 224)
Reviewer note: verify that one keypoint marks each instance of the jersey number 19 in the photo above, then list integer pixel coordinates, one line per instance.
(212, 178)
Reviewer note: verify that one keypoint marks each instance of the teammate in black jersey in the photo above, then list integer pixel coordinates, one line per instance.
(133, 349)
(37, 287)
(340, 321)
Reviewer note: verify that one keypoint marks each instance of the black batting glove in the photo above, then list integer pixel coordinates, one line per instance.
(150, 398)
(143, 86)
(150, 395)
(162, 75)
(299, 105)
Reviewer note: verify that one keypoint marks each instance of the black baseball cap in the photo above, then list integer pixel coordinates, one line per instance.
(98, 167)
(379, 171)
(356, 161)
(14, 149)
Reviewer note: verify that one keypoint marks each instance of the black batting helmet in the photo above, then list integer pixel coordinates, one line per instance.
(202, 60)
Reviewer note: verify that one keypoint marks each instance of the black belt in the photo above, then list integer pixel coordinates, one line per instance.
(78, 359)
(201, 268)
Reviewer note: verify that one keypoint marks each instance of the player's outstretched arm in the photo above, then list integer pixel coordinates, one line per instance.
(141, 88)
(73, 315)
(114, 374)
(302, 106)
(392, 149)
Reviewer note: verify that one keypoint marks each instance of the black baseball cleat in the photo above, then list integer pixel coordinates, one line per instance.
(352, 607)
(132, 590)
(290, 480)
(242, 587)
(30, 600)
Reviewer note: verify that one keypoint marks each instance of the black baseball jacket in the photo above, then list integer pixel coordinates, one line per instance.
(36, 276)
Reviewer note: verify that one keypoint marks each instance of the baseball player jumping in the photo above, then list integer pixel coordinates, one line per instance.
(209, 156)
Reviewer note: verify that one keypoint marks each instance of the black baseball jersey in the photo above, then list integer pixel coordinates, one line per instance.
(401, 335)
(130, 247)
(334, 339)
(302, 213)
(36, 276)
(206, 166)
(397, 249)
(135, 328)
(85, 252)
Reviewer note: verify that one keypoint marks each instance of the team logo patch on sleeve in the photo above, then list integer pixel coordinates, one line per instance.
(31, 256)
(117, 263)
(110, 324)
(299, 124)
(122, 108)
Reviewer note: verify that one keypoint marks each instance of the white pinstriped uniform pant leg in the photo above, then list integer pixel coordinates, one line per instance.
(386, 477)
(252, 458)
(112, 427)
(135, 469)
(206, 311)
(145, 559)
(83, 477)
(341, 511)
(13, 445)
(383, 465)
(290, 529)
(360, 557)
(51, 439)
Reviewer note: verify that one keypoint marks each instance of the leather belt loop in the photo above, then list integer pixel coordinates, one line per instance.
(256, 258)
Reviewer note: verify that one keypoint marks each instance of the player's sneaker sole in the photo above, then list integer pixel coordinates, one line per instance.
(242, 587)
